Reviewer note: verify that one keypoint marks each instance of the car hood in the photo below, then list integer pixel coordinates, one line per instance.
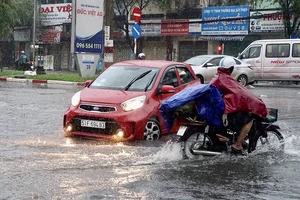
(107, 96)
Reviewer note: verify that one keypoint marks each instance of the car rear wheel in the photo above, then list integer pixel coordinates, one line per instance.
(243, 80)
(152, 130)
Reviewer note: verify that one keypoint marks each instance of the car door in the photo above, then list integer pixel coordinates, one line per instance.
(211, 67)
(178, 76)
(253, 56)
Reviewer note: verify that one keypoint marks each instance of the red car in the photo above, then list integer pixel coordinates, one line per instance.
(122, 103)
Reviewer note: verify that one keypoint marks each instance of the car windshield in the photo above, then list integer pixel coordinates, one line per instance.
(132, 78)
(198, 60)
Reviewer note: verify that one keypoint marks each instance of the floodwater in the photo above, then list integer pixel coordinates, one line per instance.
(38, 162)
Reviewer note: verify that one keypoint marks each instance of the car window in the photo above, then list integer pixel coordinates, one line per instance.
(118, 77)
(185, 75)
(197, 60)
(277, 50)
(296, 50)
(170, 78)
(215, 61)
(252, 52)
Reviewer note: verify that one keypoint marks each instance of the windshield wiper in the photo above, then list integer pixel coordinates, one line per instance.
(136, 78)
(149, 83)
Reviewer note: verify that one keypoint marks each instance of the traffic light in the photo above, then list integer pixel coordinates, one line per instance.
(220, 49)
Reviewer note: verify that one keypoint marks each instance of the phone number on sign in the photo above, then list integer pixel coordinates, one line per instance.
(88, 46)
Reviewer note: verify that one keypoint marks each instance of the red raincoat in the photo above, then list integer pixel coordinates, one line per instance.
(236, 96)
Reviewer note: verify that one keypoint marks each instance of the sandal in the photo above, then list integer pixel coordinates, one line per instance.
(238, 151)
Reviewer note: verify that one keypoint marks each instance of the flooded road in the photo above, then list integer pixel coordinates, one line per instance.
(37, 161)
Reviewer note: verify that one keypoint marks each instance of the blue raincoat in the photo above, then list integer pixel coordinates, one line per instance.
(208, 99)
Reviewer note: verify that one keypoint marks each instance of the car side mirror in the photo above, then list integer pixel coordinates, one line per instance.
(167, 89)
(209, 65)
(87, 83)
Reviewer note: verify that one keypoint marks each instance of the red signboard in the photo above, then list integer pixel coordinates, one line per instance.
(137, 14)
(175, 27)
(50, 38)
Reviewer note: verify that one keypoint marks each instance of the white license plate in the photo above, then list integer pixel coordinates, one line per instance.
(92, 124)
(181, 130)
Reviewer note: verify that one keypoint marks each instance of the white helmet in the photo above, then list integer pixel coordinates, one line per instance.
(227, 62)
(141, 55)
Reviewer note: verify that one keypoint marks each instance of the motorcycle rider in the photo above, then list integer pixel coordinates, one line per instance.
(241, 105)
(22, 61)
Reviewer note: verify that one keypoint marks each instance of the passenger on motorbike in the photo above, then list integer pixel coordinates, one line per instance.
(241, 105)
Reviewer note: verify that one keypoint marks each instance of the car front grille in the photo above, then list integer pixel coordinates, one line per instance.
(95, 108)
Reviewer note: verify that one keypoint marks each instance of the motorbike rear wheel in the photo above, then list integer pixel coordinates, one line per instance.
(196, 141)
(273, 141)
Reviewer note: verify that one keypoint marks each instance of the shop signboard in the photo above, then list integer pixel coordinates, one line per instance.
(266, 21)
(149, 27)
(55, 14)
(195, 26)
(225, 20)
(178, 27)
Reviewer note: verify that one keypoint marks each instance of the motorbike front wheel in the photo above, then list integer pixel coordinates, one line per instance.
(196, 141)
(274, 140)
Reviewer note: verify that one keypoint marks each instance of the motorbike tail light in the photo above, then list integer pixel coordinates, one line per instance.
(251, 67)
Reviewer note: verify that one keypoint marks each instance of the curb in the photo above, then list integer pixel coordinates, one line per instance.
(35, 81)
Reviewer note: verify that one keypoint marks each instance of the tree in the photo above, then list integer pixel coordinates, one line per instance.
(14, 13)
(123, 9)
(290, 10)
(8, 18)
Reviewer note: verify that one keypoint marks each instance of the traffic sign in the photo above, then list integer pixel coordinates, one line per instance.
(136, 31)
(137, 14)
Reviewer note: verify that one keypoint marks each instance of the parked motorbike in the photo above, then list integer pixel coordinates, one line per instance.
(197, 138)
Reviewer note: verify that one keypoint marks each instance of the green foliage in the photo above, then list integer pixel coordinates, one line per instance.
(8, 12)
(14, 13)
(236, 2)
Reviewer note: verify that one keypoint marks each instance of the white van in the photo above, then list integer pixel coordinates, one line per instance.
(274, 60)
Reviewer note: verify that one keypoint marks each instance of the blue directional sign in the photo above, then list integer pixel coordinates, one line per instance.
(136, 31)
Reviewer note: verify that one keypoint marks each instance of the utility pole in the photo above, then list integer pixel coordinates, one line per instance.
(109, 14)
(34, 32)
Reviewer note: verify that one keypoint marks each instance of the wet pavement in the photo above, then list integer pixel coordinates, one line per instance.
(37, 161)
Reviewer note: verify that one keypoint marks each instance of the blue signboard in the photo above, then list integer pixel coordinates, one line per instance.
(225, 20)
(136, 31)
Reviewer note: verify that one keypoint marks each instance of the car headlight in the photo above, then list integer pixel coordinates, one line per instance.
(76, 99)
(134, 103)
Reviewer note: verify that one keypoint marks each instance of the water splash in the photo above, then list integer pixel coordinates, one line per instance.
(169, 152)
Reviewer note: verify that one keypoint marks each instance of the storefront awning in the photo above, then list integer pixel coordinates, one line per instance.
(222, 38)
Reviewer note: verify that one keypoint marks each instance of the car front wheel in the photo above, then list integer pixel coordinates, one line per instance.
(200, 78)
(152, 130)
(243, 80)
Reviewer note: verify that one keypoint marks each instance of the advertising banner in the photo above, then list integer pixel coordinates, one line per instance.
(89, 26)
(266, 21)
(55, 14)
(225, 20)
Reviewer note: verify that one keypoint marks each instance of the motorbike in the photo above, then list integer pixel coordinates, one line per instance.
(197, 138)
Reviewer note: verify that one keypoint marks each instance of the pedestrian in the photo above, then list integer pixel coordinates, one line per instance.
(22, 62)
(141, 56)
